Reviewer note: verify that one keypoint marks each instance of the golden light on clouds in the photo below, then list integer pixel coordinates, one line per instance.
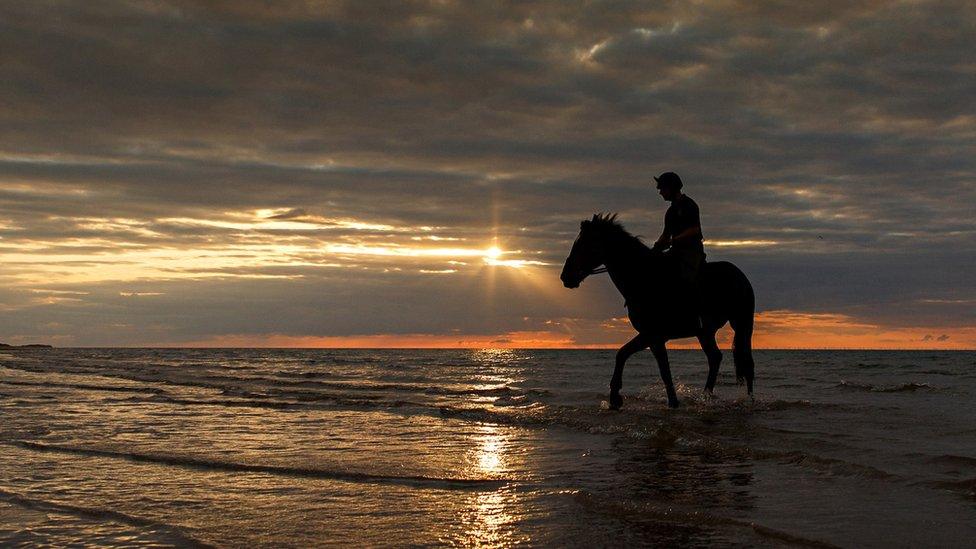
(287, 244)
(492, 256)
(741, 243)
(783, 329)
(255, 244)
(396, 250)
(535, 339)
(268, 220)
(774, 330)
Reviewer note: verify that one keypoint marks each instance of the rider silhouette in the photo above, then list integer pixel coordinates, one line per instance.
(682, 241)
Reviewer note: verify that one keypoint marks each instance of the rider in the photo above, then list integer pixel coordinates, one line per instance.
(682, 235)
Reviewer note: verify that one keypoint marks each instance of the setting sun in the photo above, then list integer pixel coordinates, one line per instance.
(493, 253)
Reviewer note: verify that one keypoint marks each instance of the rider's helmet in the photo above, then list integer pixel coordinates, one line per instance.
(669, 179)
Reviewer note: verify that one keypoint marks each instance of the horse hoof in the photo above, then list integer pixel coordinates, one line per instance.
(673, 404)
(616, 401)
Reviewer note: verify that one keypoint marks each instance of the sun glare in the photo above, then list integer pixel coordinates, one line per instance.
(493, 256)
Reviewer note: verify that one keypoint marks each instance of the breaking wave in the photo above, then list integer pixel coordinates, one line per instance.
(909, 387)
(175, 534)
(305, 472)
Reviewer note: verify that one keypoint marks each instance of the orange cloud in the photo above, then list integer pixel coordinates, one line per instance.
(798, 330)
(780, 329)
(509, 340)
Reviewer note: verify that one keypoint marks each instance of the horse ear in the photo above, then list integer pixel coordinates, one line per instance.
(596, 217)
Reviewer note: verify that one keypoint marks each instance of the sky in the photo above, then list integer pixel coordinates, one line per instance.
(387, 174)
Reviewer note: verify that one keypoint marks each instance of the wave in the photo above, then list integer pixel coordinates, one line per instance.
(83, 387)
(951, 459)
(779, 405)
(642, 512)
(945, 372)
(99, 514)
(964, 487)
(280, 385)
(421, 481)
(274, 383)
(680, 436)
(832, 466)
(887, 365)
(316, 400)
(306, 374)
(322, 402)
(909, 387)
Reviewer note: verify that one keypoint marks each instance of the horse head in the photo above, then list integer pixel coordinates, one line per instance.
(587, 253)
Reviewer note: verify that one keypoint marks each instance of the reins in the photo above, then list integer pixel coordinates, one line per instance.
(598, 270)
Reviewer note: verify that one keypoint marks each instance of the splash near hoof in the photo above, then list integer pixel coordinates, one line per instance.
(616, 402)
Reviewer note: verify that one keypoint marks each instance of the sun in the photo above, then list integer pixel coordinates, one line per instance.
(493, 253)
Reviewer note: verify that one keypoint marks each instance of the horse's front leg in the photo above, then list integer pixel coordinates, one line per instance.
(661, 355)
(616, 382)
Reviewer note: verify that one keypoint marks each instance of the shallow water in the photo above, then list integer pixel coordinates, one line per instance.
(132, 447)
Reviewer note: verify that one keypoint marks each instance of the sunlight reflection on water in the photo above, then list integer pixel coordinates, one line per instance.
(492, 523)
(491, 456)
(489, 520)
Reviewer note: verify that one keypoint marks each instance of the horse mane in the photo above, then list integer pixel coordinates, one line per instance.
(607, 224)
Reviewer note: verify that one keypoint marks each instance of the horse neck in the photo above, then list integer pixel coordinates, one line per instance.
(626, 266)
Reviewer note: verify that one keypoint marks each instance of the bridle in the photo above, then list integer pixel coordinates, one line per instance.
(593, 271)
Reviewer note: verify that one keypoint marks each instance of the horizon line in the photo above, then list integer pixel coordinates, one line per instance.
(478, 348)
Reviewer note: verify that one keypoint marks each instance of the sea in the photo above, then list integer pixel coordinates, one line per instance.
(308, 448)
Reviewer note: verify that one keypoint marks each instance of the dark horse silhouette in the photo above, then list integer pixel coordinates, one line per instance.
(643, 276)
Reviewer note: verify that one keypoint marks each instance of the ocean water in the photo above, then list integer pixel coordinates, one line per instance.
(164, 447)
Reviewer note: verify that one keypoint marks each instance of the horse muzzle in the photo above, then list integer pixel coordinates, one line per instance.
(571, 281)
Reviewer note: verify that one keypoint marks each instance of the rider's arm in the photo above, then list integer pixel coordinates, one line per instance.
(691, 233)
(663, 241)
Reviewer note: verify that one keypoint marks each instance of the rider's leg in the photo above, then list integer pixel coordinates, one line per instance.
(689, 267)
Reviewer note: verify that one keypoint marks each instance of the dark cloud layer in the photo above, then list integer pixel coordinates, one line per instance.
(838, 138)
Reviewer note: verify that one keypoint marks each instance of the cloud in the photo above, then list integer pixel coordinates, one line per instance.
(228, 151)
(291, 213)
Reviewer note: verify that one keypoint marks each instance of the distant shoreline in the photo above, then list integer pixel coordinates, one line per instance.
(28, 346)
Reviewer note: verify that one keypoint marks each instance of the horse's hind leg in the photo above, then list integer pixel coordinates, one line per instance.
(661, 355)
(714, 356)
(616, 382)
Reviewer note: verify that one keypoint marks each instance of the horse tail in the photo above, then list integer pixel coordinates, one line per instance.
(742, 321)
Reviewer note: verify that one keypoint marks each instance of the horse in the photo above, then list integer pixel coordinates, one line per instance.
(642, 276)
